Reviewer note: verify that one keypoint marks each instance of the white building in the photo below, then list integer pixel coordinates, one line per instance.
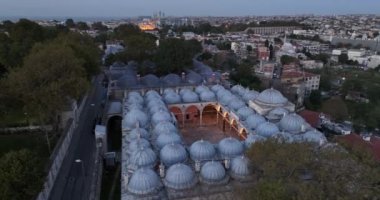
(353, 54)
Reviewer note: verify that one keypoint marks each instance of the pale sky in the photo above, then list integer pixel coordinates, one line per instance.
(128, 8)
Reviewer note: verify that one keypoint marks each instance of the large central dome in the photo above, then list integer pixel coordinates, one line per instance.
(271, 97)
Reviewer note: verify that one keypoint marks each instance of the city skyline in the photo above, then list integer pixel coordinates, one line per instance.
(122, 8)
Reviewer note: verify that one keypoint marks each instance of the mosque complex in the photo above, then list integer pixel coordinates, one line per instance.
(184, 141)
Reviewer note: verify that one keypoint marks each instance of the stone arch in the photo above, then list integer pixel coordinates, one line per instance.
(243, 134)
(114, 133)
(178, 113)
(209, 115)
(192, 115)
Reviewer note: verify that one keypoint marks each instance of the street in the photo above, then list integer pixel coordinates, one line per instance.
(74, 179)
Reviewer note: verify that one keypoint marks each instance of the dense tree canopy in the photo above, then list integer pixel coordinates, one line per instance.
(21, 175)
(304, 171)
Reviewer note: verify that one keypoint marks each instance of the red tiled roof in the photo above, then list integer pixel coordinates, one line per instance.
(354, 140)
(297, 74)
(311, 117)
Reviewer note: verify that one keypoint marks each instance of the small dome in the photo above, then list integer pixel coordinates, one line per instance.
(161, 116)
(158, 108)
(172, 79)
(179, 177)
(212, 172)
(137, 144)
(190, 97)
(245, 112)
(236, 104)
(239, 167)
(134, 117)
(254, 121)
(216, 88)
(251, 95)
(151, 80)
(252, 139)
(167, 138)
(137, 133)
(184, 90)
(132, 106)
(267, 129)
(144, 181)
(277, 113)
(164, 127)
(226, 98)
(208, 96)
(292, 123)
(135, 99)
(172, 98)
(271, 97)
(314, 136)
(155, 102)
(283, 137)
(201, 88)
(151, 94)
(230, 147)
(143, 157)
(168, 90)
(172, 154)
(238, 89)
(202, 150)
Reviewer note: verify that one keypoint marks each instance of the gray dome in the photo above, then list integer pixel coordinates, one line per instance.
(292, 123)
(168, 90)
(252, 139)
(143, 157)
(271, 97)
(314, 136)
(216, 88)
(226, 98)
(277, 113)
(152, 94)
(144, 181)
(184, 90)
(250, 95)
(164, 127)
(172, 98)
(230, 147)
(212, 172)
(283, 137)
(126, 81)
(236, 104)
(134, 117)
(202, 150)
(161, 116)
(201, 88)
(239, 167)
(157, 108)
(172, 154)
(137, 133)
(151, 80)
(194, 78)
(155, 102)
(245, 112)
(254, 121)
(135, 99)
(131, 106)
(238, 89)
(172, 79)
(179, 177)
(190, 97)
(220, 93)
(167, 138)
(267, 129)
(137, 144)
(208, 96)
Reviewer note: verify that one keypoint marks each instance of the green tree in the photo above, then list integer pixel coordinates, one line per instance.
(99, 26)
(51, 75)
(125, 30)
(21, 175)
(139, 47)
(82, 26)
(285, 59)
(343, 58)
(336, 108)
(70, 23)
(175, 55)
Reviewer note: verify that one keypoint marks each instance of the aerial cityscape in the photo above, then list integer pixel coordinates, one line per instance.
(190, 100)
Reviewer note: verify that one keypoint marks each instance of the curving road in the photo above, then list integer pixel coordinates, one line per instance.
(73, 183)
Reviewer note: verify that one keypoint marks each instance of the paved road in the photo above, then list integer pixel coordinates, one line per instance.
(71, 182)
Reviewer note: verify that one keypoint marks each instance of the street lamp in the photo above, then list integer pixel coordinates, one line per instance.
(81, 162)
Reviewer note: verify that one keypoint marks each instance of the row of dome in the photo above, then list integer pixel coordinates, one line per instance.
(181, 176)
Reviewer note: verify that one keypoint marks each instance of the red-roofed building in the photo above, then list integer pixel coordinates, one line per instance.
(371, 144)
(311, 117)
(263, 53)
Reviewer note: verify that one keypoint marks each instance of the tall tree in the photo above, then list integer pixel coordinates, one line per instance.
(21, 175)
